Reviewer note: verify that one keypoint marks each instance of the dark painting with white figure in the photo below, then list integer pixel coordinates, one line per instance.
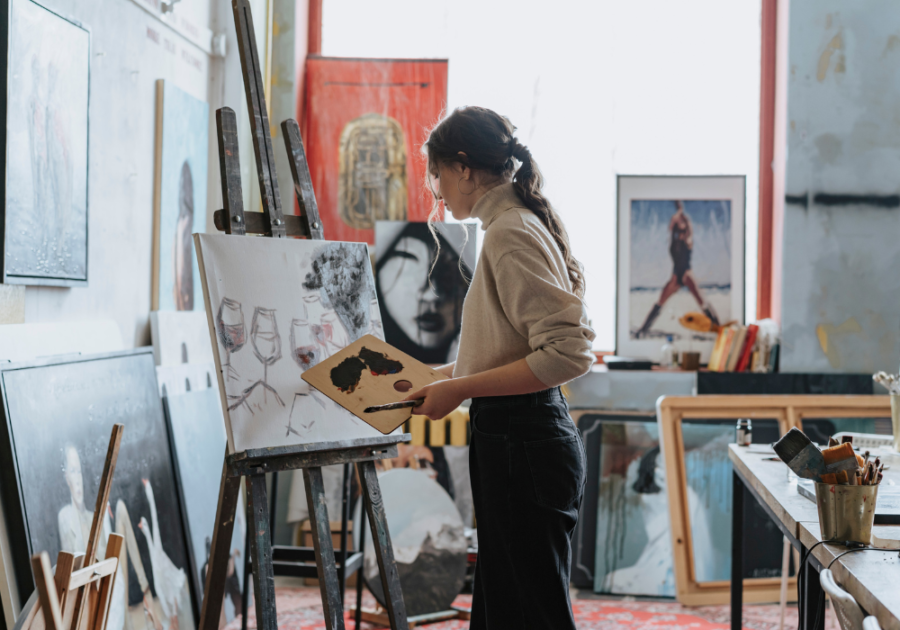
(422, 279)
(60, 418)
(278, 307)
(47, 148)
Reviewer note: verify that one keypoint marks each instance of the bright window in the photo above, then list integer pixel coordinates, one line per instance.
(644, 87)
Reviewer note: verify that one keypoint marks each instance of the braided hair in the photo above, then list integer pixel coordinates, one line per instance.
(488, 143)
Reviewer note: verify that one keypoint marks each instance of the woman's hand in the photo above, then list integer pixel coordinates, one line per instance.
(441, 398)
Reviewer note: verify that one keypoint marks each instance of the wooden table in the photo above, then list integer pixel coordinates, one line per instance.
(872, 577)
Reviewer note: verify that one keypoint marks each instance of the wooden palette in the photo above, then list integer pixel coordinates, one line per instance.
(365, 373)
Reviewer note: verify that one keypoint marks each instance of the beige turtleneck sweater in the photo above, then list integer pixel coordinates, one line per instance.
(520, 303)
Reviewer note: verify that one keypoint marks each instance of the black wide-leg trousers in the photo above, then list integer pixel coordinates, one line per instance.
(527, 464)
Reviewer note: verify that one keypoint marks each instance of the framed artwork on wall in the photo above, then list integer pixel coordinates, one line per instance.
(57, 415)
(182, 143)
(680, 253)
(369, 118)
(46, 108)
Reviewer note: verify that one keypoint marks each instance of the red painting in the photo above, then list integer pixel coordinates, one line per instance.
(366, 120)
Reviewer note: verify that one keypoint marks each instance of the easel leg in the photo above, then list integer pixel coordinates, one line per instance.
(321, 526)
(248, 568)
(214, 588)
(261, 552)
(345, 519)
(381, 538)
(359, 574)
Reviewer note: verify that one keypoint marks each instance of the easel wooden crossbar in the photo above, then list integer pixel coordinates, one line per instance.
(254, 464)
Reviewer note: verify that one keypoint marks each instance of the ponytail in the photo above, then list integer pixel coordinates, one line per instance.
(528, 183)
(484, 141)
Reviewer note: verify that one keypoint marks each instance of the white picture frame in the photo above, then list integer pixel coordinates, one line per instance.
(714, 259)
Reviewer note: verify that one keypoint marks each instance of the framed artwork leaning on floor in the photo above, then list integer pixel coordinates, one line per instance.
(680, 253)
(57, 417)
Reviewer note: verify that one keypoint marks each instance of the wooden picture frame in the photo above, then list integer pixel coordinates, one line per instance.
(788, 411)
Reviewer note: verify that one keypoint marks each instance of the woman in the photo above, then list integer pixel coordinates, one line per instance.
(423, 305)
(524, 333)
(681, 246)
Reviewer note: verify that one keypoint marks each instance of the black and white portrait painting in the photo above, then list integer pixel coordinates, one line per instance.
(60, 417)
(46, 227)
(421, 287)
(278, 307)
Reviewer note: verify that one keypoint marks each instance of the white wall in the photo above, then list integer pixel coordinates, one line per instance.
(597, 89)
(125, 66)
(841, 286)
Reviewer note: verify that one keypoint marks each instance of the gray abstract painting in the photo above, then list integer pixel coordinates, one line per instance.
(47, 148)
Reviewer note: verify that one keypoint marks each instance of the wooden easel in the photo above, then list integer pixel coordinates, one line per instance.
(78, 597)
(255, 463)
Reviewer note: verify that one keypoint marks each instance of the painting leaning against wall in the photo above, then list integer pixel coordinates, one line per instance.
(46, 159)
(182, 143)
(58, 419)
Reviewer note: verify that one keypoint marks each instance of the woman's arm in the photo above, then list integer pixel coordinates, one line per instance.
(443, 397)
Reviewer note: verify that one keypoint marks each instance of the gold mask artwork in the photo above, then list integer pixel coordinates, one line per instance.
(372, 180)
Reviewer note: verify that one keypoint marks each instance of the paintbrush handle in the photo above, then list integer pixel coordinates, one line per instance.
(403, 404)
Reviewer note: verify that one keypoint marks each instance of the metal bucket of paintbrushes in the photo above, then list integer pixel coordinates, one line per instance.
(846, 513)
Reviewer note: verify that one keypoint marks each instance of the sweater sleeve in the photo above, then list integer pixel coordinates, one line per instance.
(550, 316)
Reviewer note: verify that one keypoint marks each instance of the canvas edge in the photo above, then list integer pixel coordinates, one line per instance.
(220, 376)
(160, 96)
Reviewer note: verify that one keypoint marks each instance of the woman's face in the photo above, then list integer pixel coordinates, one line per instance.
(445, 186)
(426, 318)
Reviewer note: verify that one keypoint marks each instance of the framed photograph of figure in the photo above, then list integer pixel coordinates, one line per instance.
(680, 262)
(422, 279)
(44, 234)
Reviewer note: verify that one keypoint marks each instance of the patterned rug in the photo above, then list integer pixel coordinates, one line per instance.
(301, 609)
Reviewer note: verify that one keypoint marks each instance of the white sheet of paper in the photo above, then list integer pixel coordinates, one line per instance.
(180, 337)
(276, 307)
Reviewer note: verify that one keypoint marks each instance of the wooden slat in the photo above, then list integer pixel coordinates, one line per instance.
(258, 223)
(113, 549)
(91, 573)
(306, 197)
(259, 117)
(109, 467)
(261, 554)
(46, 587)
(220, 551)
(384, 552)
(321, 526)
(230, 172)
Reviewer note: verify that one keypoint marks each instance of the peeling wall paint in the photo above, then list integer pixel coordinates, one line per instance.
(841, 287)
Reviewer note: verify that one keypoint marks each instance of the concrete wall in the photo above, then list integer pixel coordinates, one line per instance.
(841, 264)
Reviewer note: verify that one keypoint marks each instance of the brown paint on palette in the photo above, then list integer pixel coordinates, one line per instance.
(367, 373)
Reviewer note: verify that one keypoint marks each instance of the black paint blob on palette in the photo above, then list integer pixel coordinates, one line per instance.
(347, 374)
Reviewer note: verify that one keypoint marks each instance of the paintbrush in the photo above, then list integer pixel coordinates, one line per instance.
(403, 404)
(800, 454)
(840, 457)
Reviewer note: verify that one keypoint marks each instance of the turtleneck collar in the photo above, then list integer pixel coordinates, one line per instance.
(496, 200)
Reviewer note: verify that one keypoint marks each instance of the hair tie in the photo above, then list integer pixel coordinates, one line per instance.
(520, 151)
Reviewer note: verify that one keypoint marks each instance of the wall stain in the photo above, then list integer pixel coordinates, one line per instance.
(836, 45)
(826, 332)
(892, 43)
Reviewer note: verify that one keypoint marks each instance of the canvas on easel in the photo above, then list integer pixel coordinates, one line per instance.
(277, 307)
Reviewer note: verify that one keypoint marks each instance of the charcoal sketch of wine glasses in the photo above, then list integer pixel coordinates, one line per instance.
(306, 352)
(376, 325)
(232, 332)
(266, 344)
